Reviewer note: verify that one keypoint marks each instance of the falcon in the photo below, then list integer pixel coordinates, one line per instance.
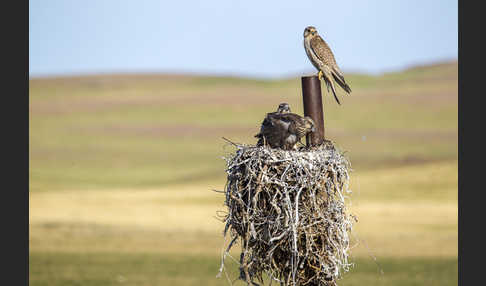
(284, 130)
(282, 108)
(322, 58)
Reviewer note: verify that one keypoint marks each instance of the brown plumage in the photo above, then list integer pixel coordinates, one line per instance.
(284, 130)
(323, 59)
(282, 108)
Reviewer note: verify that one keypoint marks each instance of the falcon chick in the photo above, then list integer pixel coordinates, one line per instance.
(284, 130)
(282, 108)
(322, 58)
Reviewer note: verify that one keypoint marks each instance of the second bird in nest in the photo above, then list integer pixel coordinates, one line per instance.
(282, 129)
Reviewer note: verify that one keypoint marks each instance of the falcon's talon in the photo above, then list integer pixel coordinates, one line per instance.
(320, 74)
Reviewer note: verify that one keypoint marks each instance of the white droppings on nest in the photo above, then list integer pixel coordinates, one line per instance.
(288, 210)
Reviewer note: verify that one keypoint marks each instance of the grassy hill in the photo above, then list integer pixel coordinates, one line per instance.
(122, 167)
(157, 130)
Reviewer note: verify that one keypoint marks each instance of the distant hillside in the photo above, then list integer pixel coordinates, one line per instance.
(145, 130)
(425, 68)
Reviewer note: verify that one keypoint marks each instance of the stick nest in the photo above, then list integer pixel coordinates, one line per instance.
(288, 210)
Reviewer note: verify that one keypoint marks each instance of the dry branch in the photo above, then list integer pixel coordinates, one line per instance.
(288, 210)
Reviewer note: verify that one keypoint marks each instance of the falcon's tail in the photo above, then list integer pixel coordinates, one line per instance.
(339, 78)
(330, 83)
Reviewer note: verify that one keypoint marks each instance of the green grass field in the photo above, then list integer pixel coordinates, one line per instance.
(122, 168)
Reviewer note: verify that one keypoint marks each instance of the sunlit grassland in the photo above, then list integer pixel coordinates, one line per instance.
(152, 131)
(172, 236)
(122, 170)
(156, 269)
(394, 211)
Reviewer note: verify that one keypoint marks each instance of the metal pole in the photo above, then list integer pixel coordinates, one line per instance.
(312, 96)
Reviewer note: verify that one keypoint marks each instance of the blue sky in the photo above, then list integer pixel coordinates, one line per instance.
(248, 38)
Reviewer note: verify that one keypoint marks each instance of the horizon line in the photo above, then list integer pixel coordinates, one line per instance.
(230, 74)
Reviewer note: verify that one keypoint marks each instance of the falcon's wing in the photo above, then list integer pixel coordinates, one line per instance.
(273, 130)
(293, 120)
(322, 51)
(266, 123)
(290, 117)
(278, 121)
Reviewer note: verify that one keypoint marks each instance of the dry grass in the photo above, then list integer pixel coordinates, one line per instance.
(167, 220)
(168, 210)
(429, 182)
(406, 230)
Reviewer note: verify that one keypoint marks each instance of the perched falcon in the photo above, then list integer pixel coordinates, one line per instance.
(322, 58)
(284, 130)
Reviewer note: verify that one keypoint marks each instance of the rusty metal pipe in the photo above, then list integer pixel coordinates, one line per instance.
(312, 97)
